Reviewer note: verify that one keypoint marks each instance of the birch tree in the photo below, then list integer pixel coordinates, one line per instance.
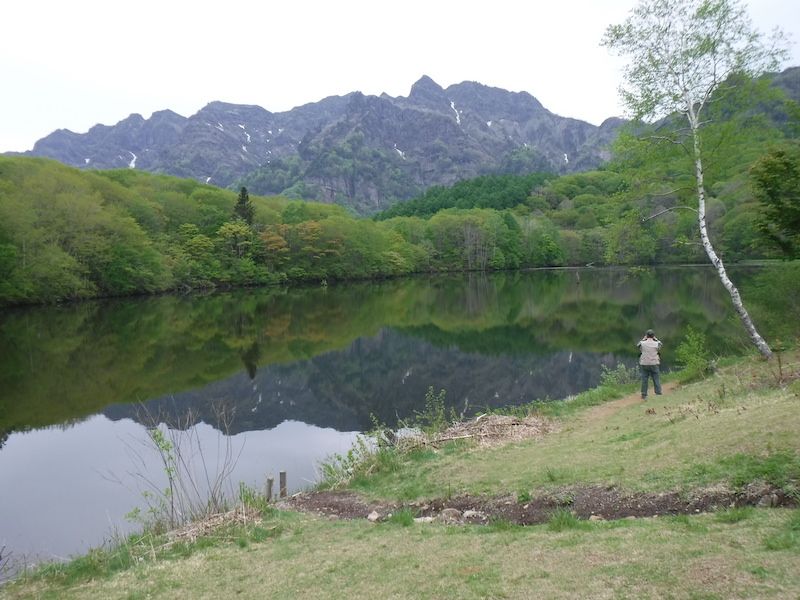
(683, 55)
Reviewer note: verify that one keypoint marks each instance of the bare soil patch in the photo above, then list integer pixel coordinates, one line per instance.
(585, 502)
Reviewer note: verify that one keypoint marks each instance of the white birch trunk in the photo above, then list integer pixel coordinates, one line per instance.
(755, 337)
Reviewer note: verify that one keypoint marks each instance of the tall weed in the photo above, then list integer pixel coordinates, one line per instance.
(435, 417)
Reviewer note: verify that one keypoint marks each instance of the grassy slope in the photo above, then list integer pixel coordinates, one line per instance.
(726, 430)
(703, 434)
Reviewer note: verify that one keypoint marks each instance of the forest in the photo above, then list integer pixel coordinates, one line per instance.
(68, 234)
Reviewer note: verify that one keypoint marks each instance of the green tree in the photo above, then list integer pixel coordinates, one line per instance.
(630, 242)
(682, 54)
(776, 185)
(244, 207)
(236, 238)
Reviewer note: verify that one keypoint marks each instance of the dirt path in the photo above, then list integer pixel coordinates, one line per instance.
(607, 409)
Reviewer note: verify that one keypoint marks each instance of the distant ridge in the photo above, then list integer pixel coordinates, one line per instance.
(363, 152)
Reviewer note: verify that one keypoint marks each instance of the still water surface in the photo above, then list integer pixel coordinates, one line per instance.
(300, 371)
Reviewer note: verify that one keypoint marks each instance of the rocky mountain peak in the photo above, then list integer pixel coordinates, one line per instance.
(362, 151)
(426, 92)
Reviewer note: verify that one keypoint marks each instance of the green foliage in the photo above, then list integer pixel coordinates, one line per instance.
(68, 234)
(621, 375)
(688, 59)
(244, 207)
(434, 418)
(681, 49)
(340, 469)
(369, 455)
(693, 356)
(498, 192)
(523, 496)
(630, 241)
(775, 180)
(778, 313)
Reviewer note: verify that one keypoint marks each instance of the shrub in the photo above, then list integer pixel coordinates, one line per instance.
(434, 419)
(621, 375)
(693, 356)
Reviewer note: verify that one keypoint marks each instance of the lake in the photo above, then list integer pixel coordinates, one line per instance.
(257, 381)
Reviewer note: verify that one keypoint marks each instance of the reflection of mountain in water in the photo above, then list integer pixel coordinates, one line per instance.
(325, 345)
(386, 375)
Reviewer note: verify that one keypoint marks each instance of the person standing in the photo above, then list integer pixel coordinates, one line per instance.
(649, 361)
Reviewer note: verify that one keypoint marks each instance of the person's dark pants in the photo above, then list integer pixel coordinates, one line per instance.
(647, 372)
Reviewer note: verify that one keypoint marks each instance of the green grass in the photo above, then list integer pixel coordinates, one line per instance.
(563, 519)
(732, 428)
(696, 556)
(404, 517)
(735, 514)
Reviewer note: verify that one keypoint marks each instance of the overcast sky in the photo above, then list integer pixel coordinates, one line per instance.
(72, 64)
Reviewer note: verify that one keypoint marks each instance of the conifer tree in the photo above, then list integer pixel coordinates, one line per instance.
(244, 207)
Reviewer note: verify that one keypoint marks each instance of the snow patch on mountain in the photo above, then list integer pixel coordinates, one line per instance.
(455, 110)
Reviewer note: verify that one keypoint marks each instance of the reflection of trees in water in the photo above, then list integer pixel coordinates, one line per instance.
(62, 363)
(250, 359)
(479, 294)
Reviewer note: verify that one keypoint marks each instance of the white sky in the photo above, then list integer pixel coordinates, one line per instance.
(71, 64)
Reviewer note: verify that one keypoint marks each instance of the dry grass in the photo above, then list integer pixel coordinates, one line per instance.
(496, 430)
(242, 515)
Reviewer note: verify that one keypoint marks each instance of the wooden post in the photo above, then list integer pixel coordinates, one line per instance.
(282, 477)
(270, 481)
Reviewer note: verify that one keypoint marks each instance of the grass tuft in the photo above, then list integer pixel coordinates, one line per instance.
(563, 519)
(403, 517)
(735, 514)
(500, 524)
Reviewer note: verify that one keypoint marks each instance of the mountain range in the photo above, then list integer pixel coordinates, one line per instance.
(364, 152)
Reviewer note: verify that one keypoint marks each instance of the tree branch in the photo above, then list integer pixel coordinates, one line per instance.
(666, 210)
